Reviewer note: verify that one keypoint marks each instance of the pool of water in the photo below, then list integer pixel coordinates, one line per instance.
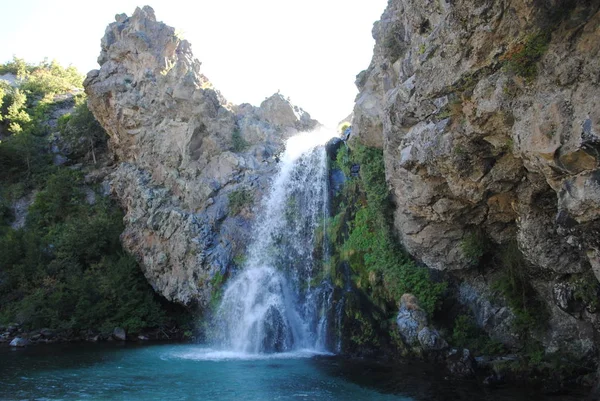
(194, 372)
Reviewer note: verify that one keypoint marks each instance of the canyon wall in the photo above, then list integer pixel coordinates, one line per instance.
(189, 167)
(488, 116)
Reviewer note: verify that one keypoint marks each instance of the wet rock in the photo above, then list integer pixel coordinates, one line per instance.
(431, 340)
(460, 363)
(332, 147)
(48, 333)
(411, 319)
(93, 338)
(337, 179)
(119, 334)
(19, 342)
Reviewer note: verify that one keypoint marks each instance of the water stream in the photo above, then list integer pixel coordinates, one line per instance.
(279, 302)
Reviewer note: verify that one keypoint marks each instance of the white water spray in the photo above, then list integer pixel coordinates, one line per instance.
(276, 303)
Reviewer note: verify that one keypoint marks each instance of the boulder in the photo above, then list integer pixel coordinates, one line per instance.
(19, 342)
(410, 320)
(431, 340)
(460, 363)
(119, 334)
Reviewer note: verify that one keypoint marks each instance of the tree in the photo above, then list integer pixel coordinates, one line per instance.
(82, 130)
(16, 114)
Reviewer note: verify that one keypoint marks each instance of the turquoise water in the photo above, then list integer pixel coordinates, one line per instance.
(193, 372)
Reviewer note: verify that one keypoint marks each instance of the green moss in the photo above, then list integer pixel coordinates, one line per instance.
(523, 58)
(240, 199)
(239, 144)
(217, 283)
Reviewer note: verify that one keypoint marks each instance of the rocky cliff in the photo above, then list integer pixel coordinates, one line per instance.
(189, 165)
(487, 113)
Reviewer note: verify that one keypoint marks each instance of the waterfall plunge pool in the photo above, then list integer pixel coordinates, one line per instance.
(114, 371)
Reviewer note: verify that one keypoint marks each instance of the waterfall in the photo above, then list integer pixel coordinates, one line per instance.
(279, 300)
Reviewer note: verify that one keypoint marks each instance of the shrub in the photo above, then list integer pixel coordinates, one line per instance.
(82, 131)
(514, 285)
(16, 115)
(239, 144)
(343, 127)
(361, 232)
(51, 78)
(473, 247)
(239, 199)
(466, 334)
(66, 269)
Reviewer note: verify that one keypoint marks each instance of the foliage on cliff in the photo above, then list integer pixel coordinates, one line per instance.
(361, 233)
(64, 267)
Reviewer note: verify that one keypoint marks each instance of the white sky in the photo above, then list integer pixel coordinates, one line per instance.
(310, 50)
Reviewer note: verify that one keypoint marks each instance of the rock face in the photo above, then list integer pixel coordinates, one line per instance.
(413, 326)
(488, 115)
(182, 152)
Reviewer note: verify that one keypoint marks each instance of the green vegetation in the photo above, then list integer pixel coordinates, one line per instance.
(217, 283)
(473, 246)
(587, 289)
(240, 199)
(466, 334)
(393, 43)
(522, 59)
(65, 268)
(361, 234)
(82, 131)
(344, 126)
(45, 78)
(515, 287)
(239, 144)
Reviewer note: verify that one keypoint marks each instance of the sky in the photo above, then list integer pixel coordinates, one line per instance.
(309, 50)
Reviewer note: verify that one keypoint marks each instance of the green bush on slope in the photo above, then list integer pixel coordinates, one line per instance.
(367, 241)
(66, 268)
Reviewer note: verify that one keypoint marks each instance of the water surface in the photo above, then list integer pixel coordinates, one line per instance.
(194, 372)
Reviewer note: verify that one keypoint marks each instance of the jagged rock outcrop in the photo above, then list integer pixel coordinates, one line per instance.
(183, 154)
(488, 116)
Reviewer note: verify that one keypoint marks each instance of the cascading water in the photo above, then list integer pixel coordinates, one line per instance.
(277, 302)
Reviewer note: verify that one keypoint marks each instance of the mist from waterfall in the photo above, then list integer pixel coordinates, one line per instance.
(279, 301)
